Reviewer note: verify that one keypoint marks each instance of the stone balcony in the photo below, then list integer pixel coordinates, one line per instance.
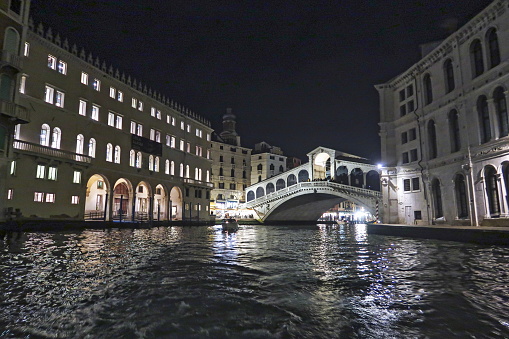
(15, 111)
(11, 59)
(51, 152)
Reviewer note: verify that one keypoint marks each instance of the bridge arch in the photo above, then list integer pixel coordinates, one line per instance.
(373, 180)
(357, 177)
(291, 180)
(322, 166)
(303, 175)
(342, 175)
(260, 192)
(280, 184)
(270, 188)
(250, 196)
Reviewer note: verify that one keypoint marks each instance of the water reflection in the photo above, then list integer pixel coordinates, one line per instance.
(324, 281)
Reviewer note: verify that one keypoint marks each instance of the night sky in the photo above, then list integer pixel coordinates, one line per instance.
(297, 74)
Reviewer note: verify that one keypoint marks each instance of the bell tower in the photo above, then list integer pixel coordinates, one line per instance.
(229, 134)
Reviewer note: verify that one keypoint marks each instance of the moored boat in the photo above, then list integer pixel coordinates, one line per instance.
(230, 225)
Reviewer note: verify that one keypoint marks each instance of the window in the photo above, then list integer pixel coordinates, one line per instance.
(476, 58)
(188, 147)
(182, 125)
(157, 136)
(13, 168)
(111, 119)
(167, 167)
(52, 173)
(155, 113)
(404, 138)
(97, 85)
(120, 96)
(140, 106)
(188, 128)
(461, 196)
(83, 108)
(493, 48)
(449, 76)
(38, 196)
(117, 155)
(437, 198)
(156, 164)
(432, 140)
(501, 109)
(84, 78)
(405, 159)
(118, 122)
(91, 147)
(80, 143)
(113, 92)
(10, 194)
(402, 110)
(62, 67)
(56, 138)
(415, 184)
(413, 155)
(410, 106)
(491, 183)
(132, 158)
(199, 151)
(406, 185)
(109, 152)
(412, 134)
(454, 130)
(41, 172)
(138, 160)
(134, 102)
(50, 197)
(402, 96)
(26, 51)
(428, 90)
(187, 171)
(172, 168)
(59, 99)
(45, 135)
(52, 62)
(151, 162)
(409, 91)
(136, 128)
(182, 145)
(75, 200)
(484, 119)
(49, 94)
(181, 167)
(22, 84)
(95, 113)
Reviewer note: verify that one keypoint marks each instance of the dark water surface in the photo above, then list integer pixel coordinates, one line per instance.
(262, 282)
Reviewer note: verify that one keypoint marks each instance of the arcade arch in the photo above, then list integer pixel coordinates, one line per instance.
(176, 201)
(96, 199)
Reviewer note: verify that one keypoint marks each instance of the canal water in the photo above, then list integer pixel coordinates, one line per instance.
(261, 282)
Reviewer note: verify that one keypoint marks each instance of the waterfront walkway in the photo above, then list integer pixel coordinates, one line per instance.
(474, 234)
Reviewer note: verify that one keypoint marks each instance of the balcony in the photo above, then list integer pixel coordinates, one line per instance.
(51, 152)
(15, 111)
(198, 182)
(12, 60)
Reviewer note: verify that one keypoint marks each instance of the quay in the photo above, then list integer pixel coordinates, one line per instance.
(473, 234)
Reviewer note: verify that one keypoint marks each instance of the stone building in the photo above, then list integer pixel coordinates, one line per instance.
(266, 162)
(444, 129)
(231, 169)
(100, 144)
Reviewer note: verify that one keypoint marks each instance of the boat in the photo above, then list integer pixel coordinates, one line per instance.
(230, 225)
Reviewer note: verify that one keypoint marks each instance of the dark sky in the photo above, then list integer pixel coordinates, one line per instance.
(298, 74)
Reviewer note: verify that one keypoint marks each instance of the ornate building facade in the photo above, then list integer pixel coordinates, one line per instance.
(101, 145)
(444, 129)
(266, 162)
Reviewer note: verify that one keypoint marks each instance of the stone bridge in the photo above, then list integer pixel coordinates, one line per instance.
(304, 193)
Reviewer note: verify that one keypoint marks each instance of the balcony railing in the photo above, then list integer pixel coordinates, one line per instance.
(12, 59)
(16, 111)
(52, 152)
(198, 182)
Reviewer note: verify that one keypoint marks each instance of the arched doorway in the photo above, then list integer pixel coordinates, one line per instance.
(321, 166)
(176, 202)
(122, 199)
(96, 200)
(491, 182)
(142, 205)
(160, 203)
(373, 180)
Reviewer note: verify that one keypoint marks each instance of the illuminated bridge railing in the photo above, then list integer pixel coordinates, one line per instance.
(315, 184)
(52, 152)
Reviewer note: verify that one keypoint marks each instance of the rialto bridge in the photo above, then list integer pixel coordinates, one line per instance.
(305, 192)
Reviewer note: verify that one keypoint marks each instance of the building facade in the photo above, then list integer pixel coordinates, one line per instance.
(101, 145)
(231, 169)
(266, 162)
(444, 129)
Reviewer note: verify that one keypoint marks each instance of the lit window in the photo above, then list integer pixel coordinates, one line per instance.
(109, 152)
(38, 196)
(139, 130)
(152, 112)
(95, 113)
(52, 62)
(52, 173)
(168, 140)
(152, 134)
(49, 94)
(197, 132)
(181, 145)
(158, 136)
(188, 128)
(22, 84)
(112, 92)
(158, 114)
(140, 106)
(182, 125)
(117, 154)
(118, 122)
(133, 127)
(120, 96)
(13, 168)
(83, 108)
(59, 99)
(84, 78)
(156, 164)
(134, 102)
(151, 162)
(56, 137)
(167, 167)
(173, 121)
(188, 148)
(91, 148)
(80, 143)
(208, 136)
(27, 49)
(50, 197)
(172, 168)
(111, 119)
(168, 119)
(62, 67)
(75, 200)
(41, 172)
(132, 158)
(10, 194)
(97, 84)
(44, 136)
(173, 140)
(138, 160)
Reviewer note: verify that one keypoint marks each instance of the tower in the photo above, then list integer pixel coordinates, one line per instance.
(229, 134)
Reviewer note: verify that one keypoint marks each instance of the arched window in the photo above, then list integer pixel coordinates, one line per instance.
(187, 171)
(207, 176)
(56, 138)
(437, 198)
(172, 168)
(449, 76)
(132, 158)
(280, 184)
(501, 108)
(428, 90)
(199, 174)
(109, 152)
(196, 174)
(493, 48)
(484, 119)
(11, 41)
(117, 154)
(91, 147)
(80, 143)
(232, 173)
(151, 162)
(156, 164)
(461, 196)
(260, 192)
(5, 87)
(167, 167)
(44, 137)
(490, 178)
(221, 171)
(181, 170)
(259, 167)
(454, 130)
(281, 169)
(476, 58)
(291, 180)
(250, 195)
(432, 140)
(270, 188)
(271, 167)
(139, 160)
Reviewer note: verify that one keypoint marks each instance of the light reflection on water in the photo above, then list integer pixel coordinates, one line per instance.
(324, 281)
